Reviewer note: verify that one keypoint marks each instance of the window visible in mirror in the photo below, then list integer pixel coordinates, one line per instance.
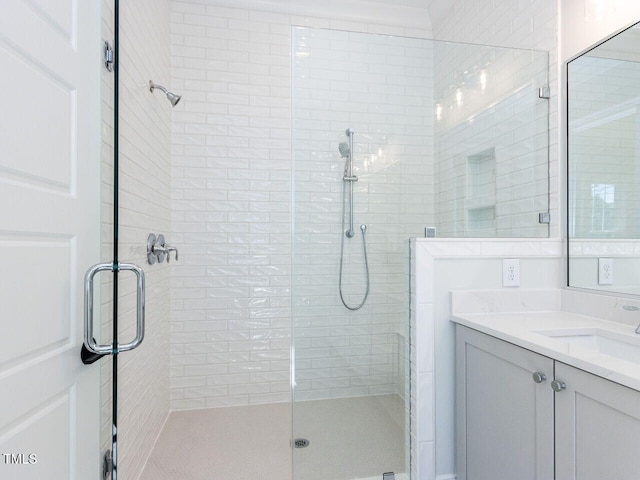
(602, 208)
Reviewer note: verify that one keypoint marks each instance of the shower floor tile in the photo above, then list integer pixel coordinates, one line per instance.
(230, 443)
(350, 438)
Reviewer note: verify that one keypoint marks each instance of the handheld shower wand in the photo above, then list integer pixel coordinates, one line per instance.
(346, 151)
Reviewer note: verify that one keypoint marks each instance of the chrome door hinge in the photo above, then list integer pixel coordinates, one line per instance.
(544, 217)
(108, 56)
(107, 465)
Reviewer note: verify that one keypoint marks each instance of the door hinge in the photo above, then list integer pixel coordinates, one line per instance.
(107, 465)
(108, 56)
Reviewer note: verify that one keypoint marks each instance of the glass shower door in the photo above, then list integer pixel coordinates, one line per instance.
(135, 216)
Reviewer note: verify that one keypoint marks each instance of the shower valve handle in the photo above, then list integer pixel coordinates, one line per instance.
(170, 249)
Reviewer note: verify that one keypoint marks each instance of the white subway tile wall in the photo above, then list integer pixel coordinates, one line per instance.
(381, 87)
(231, 317)
(145, 168)
(232, 200)
(231, 194)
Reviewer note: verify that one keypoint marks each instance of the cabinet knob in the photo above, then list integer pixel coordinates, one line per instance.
(539, 377)
(558, 385)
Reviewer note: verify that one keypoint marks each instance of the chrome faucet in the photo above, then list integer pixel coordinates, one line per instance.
(633, 308)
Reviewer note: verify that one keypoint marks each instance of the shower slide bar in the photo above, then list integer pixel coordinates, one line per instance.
(349, 178)
(346, 151)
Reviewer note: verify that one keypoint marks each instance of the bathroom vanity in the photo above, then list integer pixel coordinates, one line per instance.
(546, 395)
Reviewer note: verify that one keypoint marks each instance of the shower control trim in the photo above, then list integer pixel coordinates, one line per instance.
(158, 250)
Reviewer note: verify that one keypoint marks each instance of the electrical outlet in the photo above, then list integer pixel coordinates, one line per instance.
(511, 272)
(605, 271)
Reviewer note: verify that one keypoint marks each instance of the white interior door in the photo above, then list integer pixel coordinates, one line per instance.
(49, 235)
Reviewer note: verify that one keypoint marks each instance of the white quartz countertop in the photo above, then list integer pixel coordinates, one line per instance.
(520, 328)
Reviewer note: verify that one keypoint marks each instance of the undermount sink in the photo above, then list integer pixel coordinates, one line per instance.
(615, 344)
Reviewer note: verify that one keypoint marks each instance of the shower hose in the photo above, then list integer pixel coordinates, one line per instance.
(363, 229)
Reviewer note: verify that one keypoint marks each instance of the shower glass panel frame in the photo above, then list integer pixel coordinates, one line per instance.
(446, 135)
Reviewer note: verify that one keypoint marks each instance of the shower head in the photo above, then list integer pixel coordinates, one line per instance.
(345, 152)
(172, 97)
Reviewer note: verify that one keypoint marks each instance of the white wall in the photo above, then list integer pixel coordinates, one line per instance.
(230, 299)
(145, 159)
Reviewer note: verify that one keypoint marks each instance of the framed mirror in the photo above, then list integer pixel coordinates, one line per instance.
(603, 171)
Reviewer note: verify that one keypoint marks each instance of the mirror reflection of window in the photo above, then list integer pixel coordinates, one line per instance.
(602, 208)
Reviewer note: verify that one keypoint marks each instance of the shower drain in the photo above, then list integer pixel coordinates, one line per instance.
(301, 443)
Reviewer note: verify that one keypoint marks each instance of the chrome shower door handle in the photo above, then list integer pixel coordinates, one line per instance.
(89, 341)
(140, 307)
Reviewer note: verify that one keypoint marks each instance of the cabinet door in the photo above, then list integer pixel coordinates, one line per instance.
(504, 418)
(597, 428)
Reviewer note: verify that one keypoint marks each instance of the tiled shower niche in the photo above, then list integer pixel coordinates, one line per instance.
(481, 193)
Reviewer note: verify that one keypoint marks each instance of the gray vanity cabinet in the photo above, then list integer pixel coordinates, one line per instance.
(597, 428)
(504, 417)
